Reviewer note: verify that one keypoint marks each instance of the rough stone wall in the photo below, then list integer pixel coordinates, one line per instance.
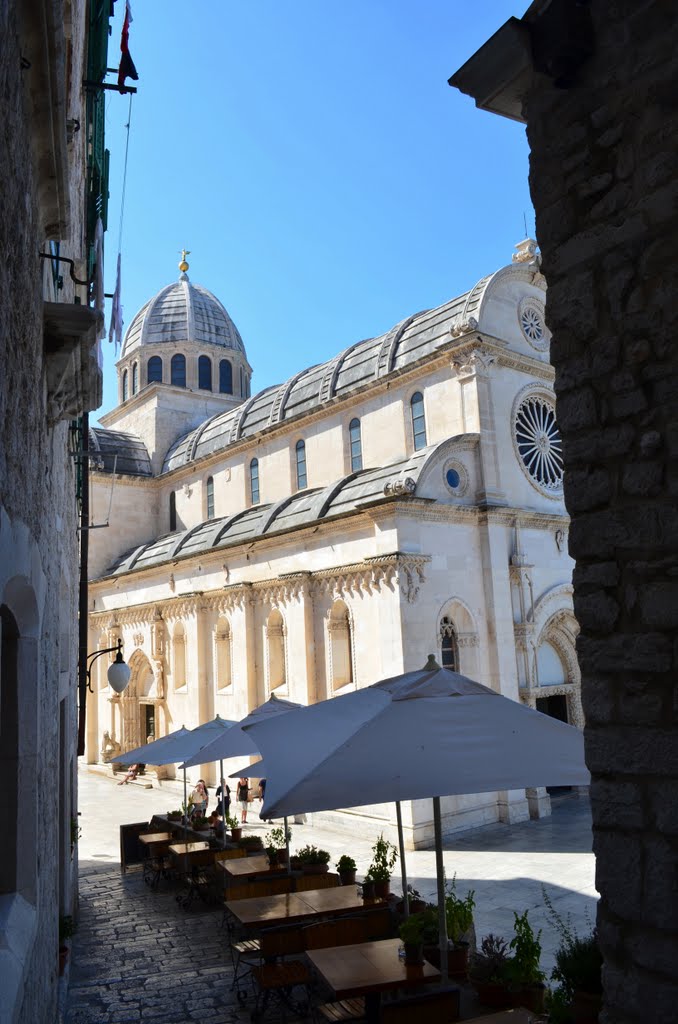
(605, 187)
(37, 491)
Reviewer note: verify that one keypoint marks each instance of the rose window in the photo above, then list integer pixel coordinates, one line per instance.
(532, 324)
(539, 444)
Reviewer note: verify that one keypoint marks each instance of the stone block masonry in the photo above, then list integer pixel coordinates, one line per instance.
(604, 181)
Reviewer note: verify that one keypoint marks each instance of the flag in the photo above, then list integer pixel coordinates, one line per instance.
(115, 327)
(126, 69)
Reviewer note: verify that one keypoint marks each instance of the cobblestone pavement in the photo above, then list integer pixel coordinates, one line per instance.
(138, 956)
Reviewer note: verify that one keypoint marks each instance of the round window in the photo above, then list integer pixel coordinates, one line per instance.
(532, 323)
(453, 478)
(538, 442)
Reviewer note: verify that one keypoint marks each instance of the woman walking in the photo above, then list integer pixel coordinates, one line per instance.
(243, 797)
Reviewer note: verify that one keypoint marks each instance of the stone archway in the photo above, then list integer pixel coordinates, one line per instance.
(139, 703)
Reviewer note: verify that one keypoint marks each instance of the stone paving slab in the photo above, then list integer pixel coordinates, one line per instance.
(138, 956)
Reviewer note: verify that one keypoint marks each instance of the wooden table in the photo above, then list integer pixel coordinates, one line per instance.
(243, 867)
(155, 837)
(368, 969)
(156, 844)
(183, 849)
(267, 911)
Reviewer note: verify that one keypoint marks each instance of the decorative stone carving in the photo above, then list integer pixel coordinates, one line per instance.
(109, 748)
(475, 363)
(527, 252)
(463, 325)
(406, 486)
(138, 639)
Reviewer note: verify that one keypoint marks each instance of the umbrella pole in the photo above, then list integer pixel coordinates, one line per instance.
(185, 810)
(287, 847)
(403, 866)
(223, 803)
(440, 878)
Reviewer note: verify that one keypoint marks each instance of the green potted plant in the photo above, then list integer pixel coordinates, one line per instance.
(459, 922)
(415, 904)
(523, 971)
(384, 856)
(252, 844)
(312, 860)
(488, 972)
(66, 930)
(412, 932)
(578, 968)
(199, 822)
(275, 844)
(174, 815)
(235, 827)
(347, 868)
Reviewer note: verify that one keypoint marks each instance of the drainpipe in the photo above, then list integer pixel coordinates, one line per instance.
(82, 596)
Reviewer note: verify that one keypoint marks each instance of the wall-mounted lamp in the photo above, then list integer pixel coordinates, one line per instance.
(118, 672)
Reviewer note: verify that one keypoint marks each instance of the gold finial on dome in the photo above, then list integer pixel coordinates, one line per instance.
(183, 266)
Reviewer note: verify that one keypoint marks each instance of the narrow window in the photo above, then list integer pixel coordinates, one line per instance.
(254, 481)
(242, 382)
(225, 377)
(301, 465)
(448, 645)
(222, 654)
(179, 656)
(356, 445)
(341, 646)
(124, 385)
(135, 378)
(277, 655)
(178, 371)
(154, 370)
(418, 420)
(205, 373)
(172, 511)
(210, 497)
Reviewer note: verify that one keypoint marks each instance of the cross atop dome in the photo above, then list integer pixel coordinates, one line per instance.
(183, 266)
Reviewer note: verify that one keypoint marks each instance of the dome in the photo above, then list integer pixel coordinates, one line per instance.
(182, 312)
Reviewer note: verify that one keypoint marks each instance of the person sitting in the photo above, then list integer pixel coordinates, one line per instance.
(131, 775)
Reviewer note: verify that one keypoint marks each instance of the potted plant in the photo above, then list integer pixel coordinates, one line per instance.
(235, 827)
(66, 930)
(199, 822)
(347, 868)
(252, 844)
(174, 815)
(384, 856)
(275, 845)
(459, 921)
(411, 932)
(524, 975)
(415, 904)
(578, 968)
(488, 972)
(368, 887)
(312, 860)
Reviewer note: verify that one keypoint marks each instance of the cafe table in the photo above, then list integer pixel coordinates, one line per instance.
(156, 844)
(368, 969)
(266, 911)
(190, 857)
(246, 867)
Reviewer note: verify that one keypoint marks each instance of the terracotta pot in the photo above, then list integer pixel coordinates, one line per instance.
(347, 877)
(282, 855)
(63, 959)
(314, 869)
(368, 890)
(457, 959)
(382, 890)
(236, 834)
(414, 953)
(586, 1007)
(492, 994)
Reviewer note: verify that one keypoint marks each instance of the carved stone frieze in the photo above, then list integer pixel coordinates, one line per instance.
(463, 325)
(406, 486)
(475, 363)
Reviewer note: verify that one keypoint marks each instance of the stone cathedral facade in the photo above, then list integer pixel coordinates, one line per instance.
(402, 498)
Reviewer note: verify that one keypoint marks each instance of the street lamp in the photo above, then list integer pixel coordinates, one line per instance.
(118, 672)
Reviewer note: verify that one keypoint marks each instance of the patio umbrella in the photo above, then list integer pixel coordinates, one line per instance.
(178, 746)
(235, 742)
(428, 733)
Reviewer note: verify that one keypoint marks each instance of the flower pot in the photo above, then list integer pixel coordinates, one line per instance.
(531, 997)
(414, 953)
(586, 1006)
(63, 959)
(492, 994)
(347, 877)
(283, 855)
(236, 834)
(382, 890)
(273, 858)
(368, 890)
(457, 959)
(315, 869)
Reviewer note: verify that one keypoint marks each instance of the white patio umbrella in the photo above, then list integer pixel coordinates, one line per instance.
(178, 746)
(236, 742)
(428, 733)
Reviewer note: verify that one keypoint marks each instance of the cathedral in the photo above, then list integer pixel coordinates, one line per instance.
(402, 498)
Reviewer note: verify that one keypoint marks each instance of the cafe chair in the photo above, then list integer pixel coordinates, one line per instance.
(438, 1005)
(341, 932)
(340, 1011)
(379, 924)
(328, 880)
(276, 977)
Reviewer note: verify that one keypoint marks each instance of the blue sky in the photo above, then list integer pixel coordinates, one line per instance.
(312, 157)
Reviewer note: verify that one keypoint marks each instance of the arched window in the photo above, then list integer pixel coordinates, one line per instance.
(124, 385)
(301, 465)
(340, 646)
(210, 497)
(418, 420)
(205, 373)
(275, 646)
(178, 370)
(179, 656)
(254, 481)
(135, 378)
(222, 654)
(172, 511)
(449, 651)
(242, 382)
(356, 445)
(225, 377)
(154, 370)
